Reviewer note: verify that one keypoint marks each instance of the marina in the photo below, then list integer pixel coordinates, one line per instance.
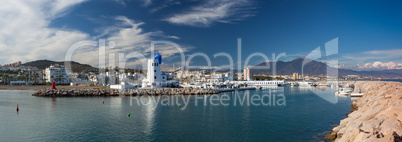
(64, 117)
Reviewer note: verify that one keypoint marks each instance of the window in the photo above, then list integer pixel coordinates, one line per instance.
(154, 70)
(155, 77)
(163, 77)
(157, 64)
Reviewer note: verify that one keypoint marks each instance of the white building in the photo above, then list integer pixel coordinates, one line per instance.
(57, 74)
(155, 78)
(248, 74)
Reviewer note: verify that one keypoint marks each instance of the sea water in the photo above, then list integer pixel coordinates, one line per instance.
(294, 114)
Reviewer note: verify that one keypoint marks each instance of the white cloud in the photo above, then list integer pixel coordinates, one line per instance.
(25, 35)
(224, 11)
(129, 38)
(381, 66)
(24, 32)
(174, 37)
(389, 53)
(377, 65)
(147, 2)
(374, 55)
(373, 60)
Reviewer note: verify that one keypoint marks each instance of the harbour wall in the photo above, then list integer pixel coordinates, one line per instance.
(377, 116)
(125, 92)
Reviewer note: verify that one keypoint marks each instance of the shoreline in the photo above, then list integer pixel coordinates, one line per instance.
(377, 116)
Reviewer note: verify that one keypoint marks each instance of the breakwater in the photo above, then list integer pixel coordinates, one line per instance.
(126, 92)
(377, 116)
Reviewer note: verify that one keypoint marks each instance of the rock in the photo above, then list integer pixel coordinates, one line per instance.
(374, 117)
(331, 136)
(113, 92)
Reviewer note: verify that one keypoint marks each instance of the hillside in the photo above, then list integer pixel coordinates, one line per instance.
(42, 64)
(319, 68)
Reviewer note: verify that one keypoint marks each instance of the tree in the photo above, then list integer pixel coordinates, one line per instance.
(36, 76)
(27, 77)
(59, 77)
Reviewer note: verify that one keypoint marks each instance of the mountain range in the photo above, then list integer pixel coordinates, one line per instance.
(282, 68)
(319, 68)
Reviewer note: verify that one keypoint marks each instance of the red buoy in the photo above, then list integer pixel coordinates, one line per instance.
(53, 85)
(17, 109)
(103, 102)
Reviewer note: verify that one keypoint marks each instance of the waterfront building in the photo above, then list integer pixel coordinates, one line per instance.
(16, 64)
(155, 78)
(248, 74)
(295, 75)
(57, 74)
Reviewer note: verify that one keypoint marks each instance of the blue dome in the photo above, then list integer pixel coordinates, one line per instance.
(159, 57)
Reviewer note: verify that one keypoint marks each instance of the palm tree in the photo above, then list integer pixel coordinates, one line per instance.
(59, 77)
(36, 76)
(27, 77)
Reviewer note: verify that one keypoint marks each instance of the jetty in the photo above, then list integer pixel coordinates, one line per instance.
(125, 92)
(376, 116)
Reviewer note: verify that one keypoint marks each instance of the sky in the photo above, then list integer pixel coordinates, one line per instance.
(368, 32)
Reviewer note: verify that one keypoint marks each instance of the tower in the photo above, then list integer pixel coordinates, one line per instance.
(154, 74)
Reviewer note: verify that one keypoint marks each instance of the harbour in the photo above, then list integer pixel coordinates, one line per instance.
(64, 118)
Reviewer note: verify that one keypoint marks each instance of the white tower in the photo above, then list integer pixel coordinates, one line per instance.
(154, 75)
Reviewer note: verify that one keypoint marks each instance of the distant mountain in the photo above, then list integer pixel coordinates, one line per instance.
(42, 64)
(319, 68)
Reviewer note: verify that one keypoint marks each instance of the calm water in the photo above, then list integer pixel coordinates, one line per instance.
(304, 117)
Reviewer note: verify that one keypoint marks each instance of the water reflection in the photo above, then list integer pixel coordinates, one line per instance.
(149, 110)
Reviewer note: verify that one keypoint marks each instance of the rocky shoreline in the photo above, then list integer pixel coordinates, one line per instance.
(377, 116)
(126, 92)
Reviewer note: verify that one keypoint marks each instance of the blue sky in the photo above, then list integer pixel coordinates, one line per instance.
(367, 31)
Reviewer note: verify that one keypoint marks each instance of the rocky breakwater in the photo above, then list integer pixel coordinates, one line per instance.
(126, 92)
(377, 116)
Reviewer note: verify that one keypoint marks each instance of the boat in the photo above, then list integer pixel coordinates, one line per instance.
(344, 91)
(294, 84)
(358, 94)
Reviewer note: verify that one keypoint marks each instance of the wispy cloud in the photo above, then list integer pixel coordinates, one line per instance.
(376, 55)
(147, 2)
(389, 53)
(212, 11)
(25, 35)
(24, 31)
(372, 60)
(129, 38)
